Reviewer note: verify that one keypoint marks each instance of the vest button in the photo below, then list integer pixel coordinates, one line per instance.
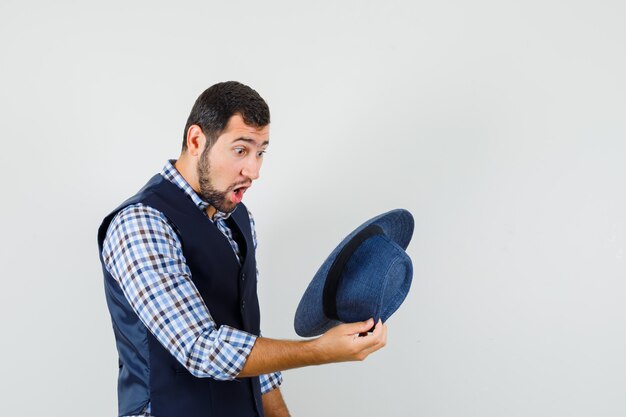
(243, 276)
(243, 305)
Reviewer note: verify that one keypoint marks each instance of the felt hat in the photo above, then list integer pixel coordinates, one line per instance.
(367, 275)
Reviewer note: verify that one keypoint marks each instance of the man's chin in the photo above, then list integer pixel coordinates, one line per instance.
(219, 201)
(226, 208)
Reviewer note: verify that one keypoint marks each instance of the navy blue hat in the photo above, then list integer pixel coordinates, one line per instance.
(368, 275)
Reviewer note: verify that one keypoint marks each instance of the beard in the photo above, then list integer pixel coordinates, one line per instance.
(218, 199)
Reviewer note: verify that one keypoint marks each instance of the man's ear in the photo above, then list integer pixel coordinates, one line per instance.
(196, 141)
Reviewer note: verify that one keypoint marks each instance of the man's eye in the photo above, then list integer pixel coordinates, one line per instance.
(240, 151)
(261, 153)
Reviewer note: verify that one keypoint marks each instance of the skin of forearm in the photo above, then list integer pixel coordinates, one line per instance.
(271, 355)
(339, 344)
(274, 404)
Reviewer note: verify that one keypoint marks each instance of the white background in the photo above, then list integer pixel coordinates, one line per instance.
(500, 125)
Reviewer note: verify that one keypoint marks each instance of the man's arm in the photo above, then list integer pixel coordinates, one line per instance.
(340, 344)
(274, 405)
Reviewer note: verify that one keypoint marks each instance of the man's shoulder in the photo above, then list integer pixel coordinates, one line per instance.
(136, 217)
(137, 211)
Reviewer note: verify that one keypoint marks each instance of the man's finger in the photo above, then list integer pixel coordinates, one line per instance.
(378, 337)
(358, 327)
(376, 340)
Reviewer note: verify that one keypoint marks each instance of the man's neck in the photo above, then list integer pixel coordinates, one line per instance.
(188, 172)
(210, 211)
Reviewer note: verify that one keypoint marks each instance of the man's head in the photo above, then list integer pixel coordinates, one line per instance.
(218, 103)
(225, 137)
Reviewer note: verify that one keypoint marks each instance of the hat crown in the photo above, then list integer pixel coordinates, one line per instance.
(374, 276)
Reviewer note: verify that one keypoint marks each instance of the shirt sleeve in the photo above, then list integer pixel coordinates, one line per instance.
(270, 381)
(144, 255)
(273, 380)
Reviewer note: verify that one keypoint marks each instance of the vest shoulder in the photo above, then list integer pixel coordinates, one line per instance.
(149, 189)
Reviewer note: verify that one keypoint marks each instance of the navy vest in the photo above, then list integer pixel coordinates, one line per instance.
(147, 371)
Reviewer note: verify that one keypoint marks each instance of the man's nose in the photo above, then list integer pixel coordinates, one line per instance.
(251, 168)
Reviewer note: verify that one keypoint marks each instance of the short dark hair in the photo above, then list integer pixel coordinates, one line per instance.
(218, 103)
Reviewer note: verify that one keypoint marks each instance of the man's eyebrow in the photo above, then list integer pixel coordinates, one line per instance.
(251, 141)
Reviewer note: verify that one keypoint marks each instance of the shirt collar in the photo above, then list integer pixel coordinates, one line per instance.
(170, 173)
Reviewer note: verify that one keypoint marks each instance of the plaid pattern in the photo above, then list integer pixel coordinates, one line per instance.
(144, 255)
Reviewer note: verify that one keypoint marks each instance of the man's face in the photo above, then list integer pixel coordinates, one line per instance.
(227, 169)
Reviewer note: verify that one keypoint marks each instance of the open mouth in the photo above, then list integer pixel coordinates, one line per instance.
(238, 193)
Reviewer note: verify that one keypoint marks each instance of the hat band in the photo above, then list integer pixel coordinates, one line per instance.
(333, 278)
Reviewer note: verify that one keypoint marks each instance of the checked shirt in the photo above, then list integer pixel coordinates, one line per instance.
(140, 249)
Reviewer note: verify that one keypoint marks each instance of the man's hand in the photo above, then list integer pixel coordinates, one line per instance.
(343, 343)
(340, 344)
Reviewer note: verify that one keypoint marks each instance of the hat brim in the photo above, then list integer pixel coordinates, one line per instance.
(310, 319)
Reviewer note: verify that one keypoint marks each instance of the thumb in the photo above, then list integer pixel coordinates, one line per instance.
(360, 326)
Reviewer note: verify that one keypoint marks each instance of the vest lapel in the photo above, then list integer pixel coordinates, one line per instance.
(244, 245)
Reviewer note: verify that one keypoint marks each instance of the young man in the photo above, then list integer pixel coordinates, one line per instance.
(180, 278)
